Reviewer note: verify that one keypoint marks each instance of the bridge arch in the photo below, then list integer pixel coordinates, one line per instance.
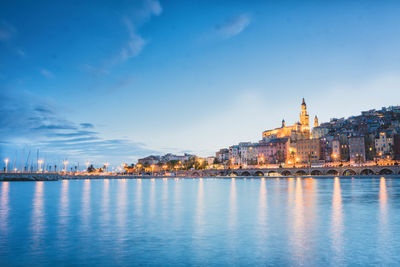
(367, 172)
(195, 174)
(221, 173)
(301, 173)
(386, 171)
(258, 173)
(286, 173)
(332, 172)
(273, 173)
(246, 173)
(234, 174)
(349, 172)
(316, 172)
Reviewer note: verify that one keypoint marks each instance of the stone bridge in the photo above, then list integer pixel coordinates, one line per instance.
(329, 171)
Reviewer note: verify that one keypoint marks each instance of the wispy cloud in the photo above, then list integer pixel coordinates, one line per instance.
(26, 121)
(86, 125)
(233, 26)
(47, 73)
(96, 71)
(7, 31)
(136, 42)
(131, 21)
(20, 52)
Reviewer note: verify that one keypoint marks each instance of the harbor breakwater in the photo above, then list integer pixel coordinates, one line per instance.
(52, 176)
(10, 177)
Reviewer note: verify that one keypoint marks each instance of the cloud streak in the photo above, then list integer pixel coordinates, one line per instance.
(136, 42)
(233, 26)
(46, 73)
(29, 122)
(7, 31)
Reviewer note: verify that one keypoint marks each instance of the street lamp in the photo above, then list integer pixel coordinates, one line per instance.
(176, 169)
(40, 161)
(200, 163)
(138, 166)
(106, 166)
(65, 165)
(165, 166)
(6, 161)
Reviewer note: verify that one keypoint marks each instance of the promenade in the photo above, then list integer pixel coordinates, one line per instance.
(354, 171)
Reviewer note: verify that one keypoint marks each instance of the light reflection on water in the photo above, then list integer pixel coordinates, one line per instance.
(138, 199)
(337, 222)
(105, 206)
(121, 208)
(62, 231)
(199, 222)
(232, 206)
(384, 231)
(152, 200)
(164, 200)
(262, 210)
(38, 220)
(4, 213)
(287, 222)
(85, 208)
(297, 215)
(4, 208)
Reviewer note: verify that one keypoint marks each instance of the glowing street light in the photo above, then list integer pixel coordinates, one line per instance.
(138, 166)
(6, 161)
(65, 165)
(40, 161)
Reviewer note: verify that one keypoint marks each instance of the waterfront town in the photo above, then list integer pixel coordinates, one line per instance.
(368, 143)
(369, 139)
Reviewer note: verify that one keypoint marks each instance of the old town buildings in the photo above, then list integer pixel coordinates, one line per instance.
(370, 136)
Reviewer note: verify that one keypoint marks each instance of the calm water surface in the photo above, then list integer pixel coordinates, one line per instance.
(286, 222)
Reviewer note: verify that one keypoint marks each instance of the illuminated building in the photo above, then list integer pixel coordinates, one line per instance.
(357, 149)
(319, 132)
(335, 150)
(383, 143)
(222, 155)
(298, 131)
(308, 151)
(273, 151)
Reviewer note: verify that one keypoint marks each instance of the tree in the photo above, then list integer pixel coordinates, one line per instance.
(172, 163)
(91, 169)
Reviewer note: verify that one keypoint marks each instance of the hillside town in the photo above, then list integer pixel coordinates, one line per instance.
(372, 138)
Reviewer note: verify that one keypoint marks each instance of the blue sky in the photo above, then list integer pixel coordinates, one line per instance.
(117, 80)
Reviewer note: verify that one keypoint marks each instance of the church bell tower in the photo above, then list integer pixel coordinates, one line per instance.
(304, 117)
